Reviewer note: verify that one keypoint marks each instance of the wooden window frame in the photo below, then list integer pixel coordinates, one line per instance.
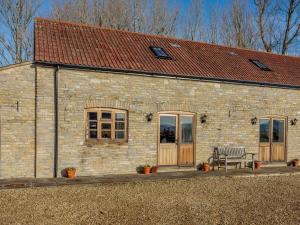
(101, 121)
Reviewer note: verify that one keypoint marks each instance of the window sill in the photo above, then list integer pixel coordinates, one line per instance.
(90, 143)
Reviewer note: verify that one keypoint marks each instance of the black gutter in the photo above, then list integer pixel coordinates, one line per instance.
(55, 120)
(35, 122)
(35, 109)
(190, 77)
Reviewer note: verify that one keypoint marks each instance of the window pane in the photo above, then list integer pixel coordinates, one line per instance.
(264, 130)
(159, 52)
(106, 115)
(93, 134)
(120, 134)
(106, 126)
(92, 116)
(259, 64)
(120, 116)
(93, 125)
(186, 129)
(106, 134)
(120, 126)
(278, 131)
(167, 129)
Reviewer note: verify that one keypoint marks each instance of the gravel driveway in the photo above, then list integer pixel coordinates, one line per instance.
(202, 200)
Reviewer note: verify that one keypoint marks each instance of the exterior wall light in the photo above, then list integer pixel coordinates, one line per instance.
(203, 118)
(254, 120)
(149, 117)
(294, 121)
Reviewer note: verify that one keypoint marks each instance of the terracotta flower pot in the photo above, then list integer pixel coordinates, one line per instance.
(71, 173)
(205, 167)
(154, 169)
(147, 169)
(257, 164)
(295, 162)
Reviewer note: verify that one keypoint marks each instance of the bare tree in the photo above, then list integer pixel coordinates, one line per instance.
(238, 26)
(98, 12)
(292, 24)
(117, 14)
(267, 24)
(275, 29)
(227, 30)
(106, 13)
(138, 16)
(71, 10)
(243, 23)
(162, 19)
(279, 24)
(192, 23)
(213, 31)
(3, 58)
(16, 17)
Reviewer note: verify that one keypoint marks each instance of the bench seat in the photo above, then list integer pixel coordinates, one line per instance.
(229, 154)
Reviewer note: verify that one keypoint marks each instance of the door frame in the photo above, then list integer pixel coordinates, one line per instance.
(194, 126)
(271, 118)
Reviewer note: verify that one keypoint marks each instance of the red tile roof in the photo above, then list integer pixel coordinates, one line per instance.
(72, 44)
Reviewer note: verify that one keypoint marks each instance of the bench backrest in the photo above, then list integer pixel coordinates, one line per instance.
(231, 152)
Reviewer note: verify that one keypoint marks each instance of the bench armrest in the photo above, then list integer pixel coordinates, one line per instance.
(252, 155)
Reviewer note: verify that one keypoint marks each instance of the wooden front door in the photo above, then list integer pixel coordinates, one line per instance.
(272, 139)
(176, 140)
(186, 139)
(167, 155)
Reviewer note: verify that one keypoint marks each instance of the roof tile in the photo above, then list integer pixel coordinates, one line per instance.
(67, 43)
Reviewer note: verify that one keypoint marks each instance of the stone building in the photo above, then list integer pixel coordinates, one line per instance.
(108, 101)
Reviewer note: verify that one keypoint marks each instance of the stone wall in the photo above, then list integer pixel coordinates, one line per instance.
(45, 122)
(17, 121)
(229, 108)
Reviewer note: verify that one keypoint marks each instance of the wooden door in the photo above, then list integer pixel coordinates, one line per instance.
(186, 140)
(167, 153)
(278, 140)
(264, 139)
(272, 146)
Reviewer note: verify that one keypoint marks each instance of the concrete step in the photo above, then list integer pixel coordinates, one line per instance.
(274, 164)
(175, 169)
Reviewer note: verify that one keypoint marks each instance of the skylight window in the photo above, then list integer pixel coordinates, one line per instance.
(159, 52)
(259, 64)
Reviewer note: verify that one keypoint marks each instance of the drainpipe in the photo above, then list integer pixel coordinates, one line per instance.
(55, 120)
(35, 121)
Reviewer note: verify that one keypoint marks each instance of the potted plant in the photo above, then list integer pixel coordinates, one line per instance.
(147, 169)
(205, 167)
(154, 169)
(257, 164)
(71, 172)
(295, 162)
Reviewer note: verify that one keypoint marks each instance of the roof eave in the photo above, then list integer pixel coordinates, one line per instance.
(177, 76)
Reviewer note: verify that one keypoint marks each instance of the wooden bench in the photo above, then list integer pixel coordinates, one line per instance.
(229, 154)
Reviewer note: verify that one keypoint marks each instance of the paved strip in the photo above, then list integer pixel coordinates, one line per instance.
(109, 179)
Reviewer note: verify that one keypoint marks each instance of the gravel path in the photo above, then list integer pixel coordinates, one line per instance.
(210, 200)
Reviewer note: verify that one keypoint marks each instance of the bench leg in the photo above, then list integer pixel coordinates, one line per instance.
(226, 164)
